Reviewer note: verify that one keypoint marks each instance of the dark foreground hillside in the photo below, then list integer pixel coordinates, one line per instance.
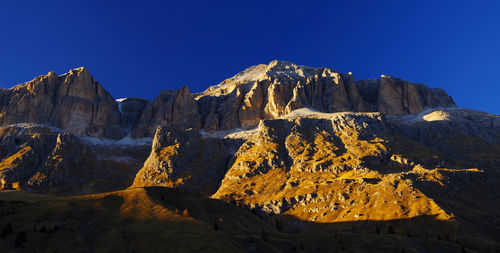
(158, 219)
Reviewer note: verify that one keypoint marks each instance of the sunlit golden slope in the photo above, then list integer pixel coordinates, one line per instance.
(356, 168)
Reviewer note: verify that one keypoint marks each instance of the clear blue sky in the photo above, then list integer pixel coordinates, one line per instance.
(139, 48)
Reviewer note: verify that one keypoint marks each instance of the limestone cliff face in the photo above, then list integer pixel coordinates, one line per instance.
(273, 90)
(131, 110)
(73, 101)
(77, 103)
(171, 108)
(391, 95)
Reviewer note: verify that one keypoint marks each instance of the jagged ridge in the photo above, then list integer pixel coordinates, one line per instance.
(77, 103)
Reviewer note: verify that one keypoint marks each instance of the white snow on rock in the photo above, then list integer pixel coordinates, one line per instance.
(304, 112)
(89, 140)
(435, 114)
(236, 133)
(120, 101)
(119, 158)
(125, 141)
(313, 113)
(26, 126)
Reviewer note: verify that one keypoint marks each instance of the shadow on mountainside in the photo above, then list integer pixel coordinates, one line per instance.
(471, 196)
(162, 219)
(423, 233)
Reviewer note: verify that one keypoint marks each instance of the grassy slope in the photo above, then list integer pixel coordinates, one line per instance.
(443, 202)
(162, 220)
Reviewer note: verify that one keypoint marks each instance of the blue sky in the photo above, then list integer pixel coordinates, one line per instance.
(138, 48)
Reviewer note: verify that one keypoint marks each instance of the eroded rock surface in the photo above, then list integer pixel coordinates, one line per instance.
(186, 160)
(41, 159)
(339, 167)
(78, 104)
(73, 101)
(273, 90)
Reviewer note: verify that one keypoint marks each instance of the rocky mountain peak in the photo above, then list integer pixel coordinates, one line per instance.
(273, 90)
(73, 101)
(51, 75)
(77, 103)
(278, 69)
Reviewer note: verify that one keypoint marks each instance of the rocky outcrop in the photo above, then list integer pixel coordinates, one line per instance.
(77, 103)
(271, 91)
(41, 159)
(21, 152)
(459, 133)
(131, 110)
(186, 160)
(171, 108)
(68, 163)
(73, 101)
(395, 96)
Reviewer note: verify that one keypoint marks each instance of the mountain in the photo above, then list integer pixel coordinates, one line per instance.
(76, 103)
(273, 90)
(278, 158)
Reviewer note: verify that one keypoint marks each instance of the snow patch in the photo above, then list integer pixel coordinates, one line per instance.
(236, 133)
(25, 126)
(313, 113)
(428, 114)
(120, 158)
(127, 141)
(120, 101)
(90, 140)
(304, 112)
